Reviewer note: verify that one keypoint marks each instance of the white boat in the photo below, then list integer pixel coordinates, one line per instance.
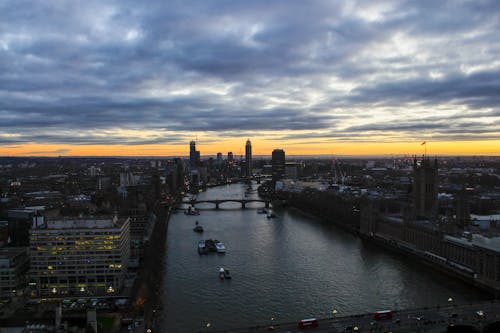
(201, 246)
(220, 247)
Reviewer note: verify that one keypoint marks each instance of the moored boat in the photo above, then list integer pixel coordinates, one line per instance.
(201, 247)
(192, 212)
(227, 274)
(221, 273)
(198, 228)
(220, 247)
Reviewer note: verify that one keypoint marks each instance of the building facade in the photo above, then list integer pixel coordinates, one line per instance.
(13, 269)
(425, 188)
(80, 257)
(278, 163)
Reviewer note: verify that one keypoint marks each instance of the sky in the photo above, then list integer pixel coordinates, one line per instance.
(311, 77)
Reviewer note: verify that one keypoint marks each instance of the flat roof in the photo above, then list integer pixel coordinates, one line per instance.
(84, 223)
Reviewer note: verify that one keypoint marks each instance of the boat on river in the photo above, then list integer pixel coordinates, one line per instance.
(227, 274)
(211, 245)
(219, 246)
(201, 246)
(198, 228)
(192, 211)
(221, 273)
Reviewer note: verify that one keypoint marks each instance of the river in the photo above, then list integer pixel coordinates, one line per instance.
(284, 269)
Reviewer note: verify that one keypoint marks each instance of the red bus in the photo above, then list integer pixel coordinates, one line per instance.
(382, 315)
(308, 323)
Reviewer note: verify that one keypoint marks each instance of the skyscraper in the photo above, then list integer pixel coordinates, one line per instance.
(248, 158)
(278, 163)
(219, 160)
(194, 155)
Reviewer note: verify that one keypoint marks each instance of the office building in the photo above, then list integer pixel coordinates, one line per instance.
(79, 257)
(278, 163)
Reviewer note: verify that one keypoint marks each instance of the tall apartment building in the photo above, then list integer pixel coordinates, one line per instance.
(248, 159)
(194, 155)
(81, 257)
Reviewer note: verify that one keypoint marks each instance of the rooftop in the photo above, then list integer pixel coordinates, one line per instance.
(84, 223)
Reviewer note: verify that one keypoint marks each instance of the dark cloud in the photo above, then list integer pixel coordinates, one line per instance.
(48, 152)
(84, 73)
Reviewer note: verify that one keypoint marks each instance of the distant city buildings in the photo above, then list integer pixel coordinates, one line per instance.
(79, 256)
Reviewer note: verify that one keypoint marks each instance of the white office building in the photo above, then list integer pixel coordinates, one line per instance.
(78, 256)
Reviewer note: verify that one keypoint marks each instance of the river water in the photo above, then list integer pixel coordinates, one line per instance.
(287, 268)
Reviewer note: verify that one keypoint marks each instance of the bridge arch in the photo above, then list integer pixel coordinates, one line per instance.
(218, 202)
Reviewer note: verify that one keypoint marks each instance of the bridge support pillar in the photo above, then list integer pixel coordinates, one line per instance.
(217, 205)
(243, 204)
(267, 204)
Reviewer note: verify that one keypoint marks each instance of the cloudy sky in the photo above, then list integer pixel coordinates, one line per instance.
(320, 77)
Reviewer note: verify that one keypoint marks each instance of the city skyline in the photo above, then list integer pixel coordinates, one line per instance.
(321, 78)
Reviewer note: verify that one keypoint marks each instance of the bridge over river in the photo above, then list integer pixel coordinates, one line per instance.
(218, 202)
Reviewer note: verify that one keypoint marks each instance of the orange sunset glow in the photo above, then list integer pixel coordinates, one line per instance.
(264, 148)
